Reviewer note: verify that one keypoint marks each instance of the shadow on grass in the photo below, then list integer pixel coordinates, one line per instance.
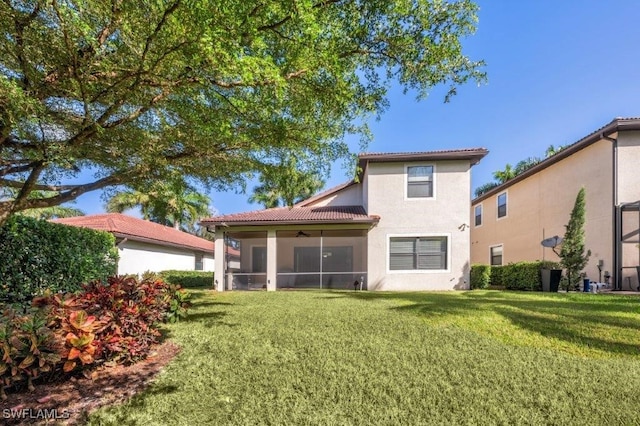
(572, 318)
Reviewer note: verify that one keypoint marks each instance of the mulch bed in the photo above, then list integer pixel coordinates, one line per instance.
(74, 399)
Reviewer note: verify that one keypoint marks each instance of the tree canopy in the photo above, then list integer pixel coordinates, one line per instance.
(109, 92)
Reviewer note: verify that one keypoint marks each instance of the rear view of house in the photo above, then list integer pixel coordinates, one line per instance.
(511, 220)
(402, 225)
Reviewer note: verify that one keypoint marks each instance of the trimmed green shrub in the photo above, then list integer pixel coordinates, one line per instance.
(480, 276)
(497, 273)
(38, 255)
(188, 279)
(523, 276)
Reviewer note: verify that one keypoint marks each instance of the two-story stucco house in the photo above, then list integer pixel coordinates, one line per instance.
(403, 224)
(511, 220)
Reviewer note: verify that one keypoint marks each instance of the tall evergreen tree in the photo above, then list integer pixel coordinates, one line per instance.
(572, 254)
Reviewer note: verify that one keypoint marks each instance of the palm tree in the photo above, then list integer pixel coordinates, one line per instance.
(552, 150)
(173, 203)
(525, 165)
(285, 186)
(504, 175)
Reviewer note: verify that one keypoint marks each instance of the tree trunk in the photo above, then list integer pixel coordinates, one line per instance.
(5, 212)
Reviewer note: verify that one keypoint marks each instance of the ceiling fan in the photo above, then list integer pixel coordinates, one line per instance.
(302, 234)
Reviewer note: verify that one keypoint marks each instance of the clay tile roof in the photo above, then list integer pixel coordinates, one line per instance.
(296, 215)
(472, 154)
(139, 230)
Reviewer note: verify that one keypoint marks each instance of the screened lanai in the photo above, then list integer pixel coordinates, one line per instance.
(628, 247)
(322, 247)
(304, 259)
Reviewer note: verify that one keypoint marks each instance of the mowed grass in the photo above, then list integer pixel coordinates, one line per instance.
(360, 358)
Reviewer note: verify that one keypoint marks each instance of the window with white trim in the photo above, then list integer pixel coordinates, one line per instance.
(496, 256)
(478, 215)
(199, 266)
(419, 181)
(418, 253)
(502, 205)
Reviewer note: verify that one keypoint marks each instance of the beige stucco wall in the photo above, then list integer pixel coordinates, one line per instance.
(442, 215)
(350, 196)
(539, 207)
(628, 167)
(137, 257)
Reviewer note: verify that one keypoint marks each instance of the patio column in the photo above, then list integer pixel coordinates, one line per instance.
(271, 260)
(218, 260)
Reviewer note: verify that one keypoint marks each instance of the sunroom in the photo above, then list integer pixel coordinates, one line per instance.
(293, 248)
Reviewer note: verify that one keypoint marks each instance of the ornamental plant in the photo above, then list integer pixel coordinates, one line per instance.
(573, 256)
(28, 348)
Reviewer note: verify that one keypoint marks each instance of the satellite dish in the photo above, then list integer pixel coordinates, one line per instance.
(551, 241)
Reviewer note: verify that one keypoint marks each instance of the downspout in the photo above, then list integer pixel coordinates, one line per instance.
(617, 216)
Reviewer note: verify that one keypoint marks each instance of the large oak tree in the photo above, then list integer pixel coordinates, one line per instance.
(121, 92)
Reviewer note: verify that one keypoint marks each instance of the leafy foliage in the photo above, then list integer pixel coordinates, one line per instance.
(283, 184)
(522, 276)
(572, 254)
(116, 322)
(480, 276)
(188, 279)
(28, 348)
(139, 91)
(514, 276)
(39, 256)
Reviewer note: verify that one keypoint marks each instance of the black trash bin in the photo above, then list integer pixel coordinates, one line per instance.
(586, 285)
(551, 279)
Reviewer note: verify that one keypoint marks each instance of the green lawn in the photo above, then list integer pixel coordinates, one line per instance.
(341, 358)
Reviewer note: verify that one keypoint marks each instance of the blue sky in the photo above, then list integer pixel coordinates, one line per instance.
(557, 70)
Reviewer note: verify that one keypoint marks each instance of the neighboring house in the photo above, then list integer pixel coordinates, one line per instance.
(511, 220)
(402, 225)
(147, 246)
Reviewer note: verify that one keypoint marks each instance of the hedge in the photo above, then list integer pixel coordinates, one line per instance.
(514, 276)
(480, 276)
(38, 255)
(188, 279)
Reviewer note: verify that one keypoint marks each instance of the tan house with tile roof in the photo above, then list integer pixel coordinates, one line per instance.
(147, 246)
(511, 220)
(402, 225)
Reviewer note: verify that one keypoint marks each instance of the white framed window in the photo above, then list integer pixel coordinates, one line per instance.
(199, 266)
(420, 181)
(478, 215)
(423, 253)
(502, 205)
(495, 255)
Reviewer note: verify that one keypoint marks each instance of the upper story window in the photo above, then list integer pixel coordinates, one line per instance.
(419, 181)
(502, 205)
(478, 215)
